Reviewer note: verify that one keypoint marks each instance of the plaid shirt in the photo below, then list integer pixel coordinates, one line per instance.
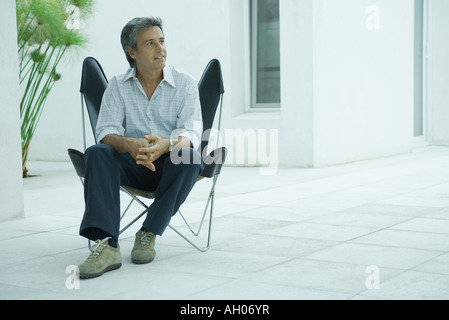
(173, 111)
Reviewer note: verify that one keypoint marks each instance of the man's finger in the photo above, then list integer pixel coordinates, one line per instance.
(151, 138)
(147, 164)
(142, 157)
(151, 166)
(147, 150)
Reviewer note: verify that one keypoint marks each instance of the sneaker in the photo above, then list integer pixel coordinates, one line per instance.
(143, 250)
(103, 258)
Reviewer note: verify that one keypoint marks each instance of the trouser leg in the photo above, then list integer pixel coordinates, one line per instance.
(105, 171)
(101, 192)
(176, 182)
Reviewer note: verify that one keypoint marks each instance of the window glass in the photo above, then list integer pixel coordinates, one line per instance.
(266, 88)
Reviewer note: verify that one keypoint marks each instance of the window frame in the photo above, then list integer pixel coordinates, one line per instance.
(254, 105)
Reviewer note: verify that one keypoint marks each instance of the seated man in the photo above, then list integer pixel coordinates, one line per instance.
(147, 115)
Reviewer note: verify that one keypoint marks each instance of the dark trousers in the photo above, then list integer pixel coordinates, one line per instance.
(106, 170)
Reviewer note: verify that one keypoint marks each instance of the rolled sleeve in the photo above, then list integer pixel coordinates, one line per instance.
(189, 121)
(107, 131)
(112, 113)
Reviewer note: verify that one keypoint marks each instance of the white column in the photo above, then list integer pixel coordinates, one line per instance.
(297, 59)
(11, 186)
(438, 68)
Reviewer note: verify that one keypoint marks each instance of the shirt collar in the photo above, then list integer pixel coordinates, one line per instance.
(168, 75)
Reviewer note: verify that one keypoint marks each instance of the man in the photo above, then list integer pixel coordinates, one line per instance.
(148, 114)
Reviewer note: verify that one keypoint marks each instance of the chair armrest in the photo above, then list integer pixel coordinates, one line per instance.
(214, 162)
(77, 159)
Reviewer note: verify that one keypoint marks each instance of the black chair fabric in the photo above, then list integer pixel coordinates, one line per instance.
(211, 89)
(93, 85)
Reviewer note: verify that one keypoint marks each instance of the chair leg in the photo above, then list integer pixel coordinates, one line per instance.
(209, 199)
(132, 222)
(134, 198)
(204, 249)
(127, 208)
(210, 206)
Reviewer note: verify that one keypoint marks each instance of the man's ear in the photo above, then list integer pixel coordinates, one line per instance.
(131, 53)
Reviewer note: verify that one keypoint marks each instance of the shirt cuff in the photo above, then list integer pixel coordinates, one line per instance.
(194, 139)
(106, 131)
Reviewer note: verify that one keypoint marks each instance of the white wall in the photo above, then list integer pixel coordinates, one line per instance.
(438, 94)
(11, 188)
(363, 79)
(297, 72)
(347, 88)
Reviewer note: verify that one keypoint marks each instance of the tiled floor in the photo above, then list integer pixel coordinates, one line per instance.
(326, 233)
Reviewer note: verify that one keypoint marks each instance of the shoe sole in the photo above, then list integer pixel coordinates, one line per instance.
(142, 261)
(96, 275)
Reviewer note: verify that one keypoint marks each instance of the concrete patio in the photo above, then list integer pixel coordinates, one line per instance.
(375, 229)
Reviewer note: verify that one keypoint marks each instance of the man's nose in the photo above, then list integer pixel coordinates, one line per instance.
(159, 46)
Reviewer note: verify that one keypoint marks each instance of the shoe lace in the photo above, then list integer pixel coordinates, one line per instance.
(98, 247)
(146, 238)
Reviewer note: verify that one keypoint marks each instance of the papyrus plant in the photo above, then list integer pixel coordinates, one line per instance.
(44, 34)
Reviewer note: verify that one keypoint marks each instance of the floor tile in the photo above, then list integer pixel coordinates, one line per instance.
(220, 263)
(407, 239)
(343, 218)
(250, 290)
(424, 225)
(380, 256)
(438, 264)
(279, 246)
(322, 231)
(319, 275)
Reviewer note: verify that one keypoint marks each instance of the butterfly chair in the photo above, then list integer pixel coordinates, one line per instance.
(211, 90)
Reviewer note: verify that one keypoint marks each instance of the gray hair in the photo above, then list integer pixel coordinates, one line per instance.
(132, 29)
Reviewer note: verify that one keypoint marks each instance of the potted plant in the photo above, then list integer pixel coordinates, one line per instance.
(44, 34)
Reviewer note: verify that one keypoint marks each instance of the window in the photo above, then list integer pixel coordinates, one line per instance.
(265, 55)
(419, 107)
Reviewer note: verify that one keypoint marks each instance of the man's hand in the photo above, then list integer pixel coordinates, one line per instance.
(154, 149)
(134, 146)
(128, 145)
(145, 151)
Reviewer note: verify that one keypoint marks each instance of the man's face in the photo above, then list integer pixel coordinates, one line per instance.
(151, 52)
